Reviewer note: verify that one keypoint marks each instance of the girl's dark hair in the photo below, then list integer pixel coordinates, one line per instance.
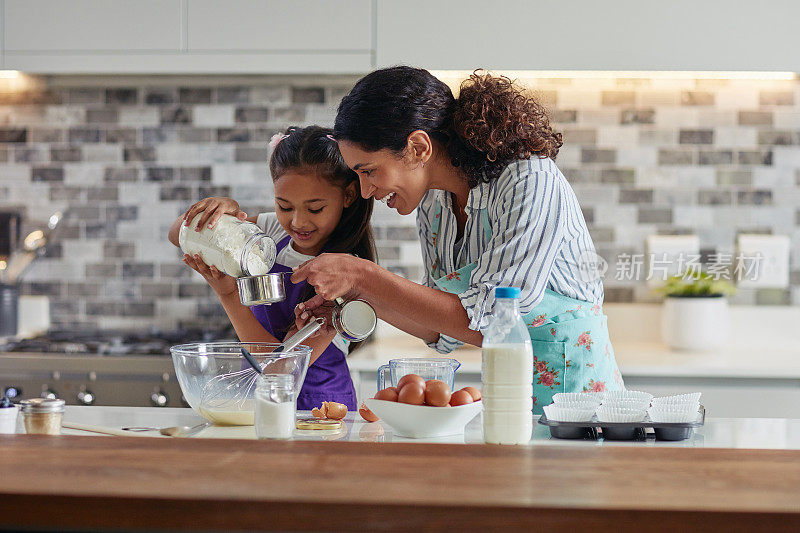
(310, 150)
(491, 124)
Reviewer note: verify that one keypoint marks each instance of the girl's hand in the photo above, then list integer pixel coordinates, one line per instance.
(331, 275)
(312, 308)
(212, 209)
(223, 284)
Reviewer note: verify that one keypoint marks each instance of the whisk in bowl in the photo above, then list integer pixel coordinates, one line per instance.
(227, 399)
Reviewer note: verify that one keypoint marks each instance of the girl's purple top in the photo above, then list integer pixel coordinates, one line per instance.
(328, 378)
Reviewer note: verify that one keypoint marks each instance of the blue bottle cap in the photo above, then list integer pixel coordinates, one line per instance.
(507, 292)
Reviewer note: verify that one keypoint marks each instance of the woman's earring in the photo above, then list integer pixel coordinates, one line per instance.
(422, 164)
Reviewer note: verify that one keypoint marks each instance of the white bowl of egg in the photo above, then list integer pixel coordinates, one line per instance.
(422, 409)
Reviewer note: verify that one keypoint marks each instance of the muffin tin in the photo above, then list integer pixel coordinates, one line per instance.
(623, 430)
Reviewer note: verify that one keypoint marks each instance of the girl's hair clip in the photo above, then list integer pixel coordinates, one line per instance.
(331, 138)
(275, 140)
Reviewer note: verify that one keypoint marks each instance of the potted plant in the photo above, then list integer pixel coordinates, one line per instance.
(695, 314)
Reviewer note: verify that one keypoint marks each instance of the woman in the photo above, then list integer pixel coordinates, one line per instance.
(492, 210)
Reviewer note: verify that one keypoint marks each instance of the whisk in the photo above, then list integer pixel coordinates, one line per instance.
(233, 392)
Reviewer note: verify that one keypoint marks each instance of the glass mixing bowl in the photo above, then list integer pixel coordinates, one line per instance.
(219, 384)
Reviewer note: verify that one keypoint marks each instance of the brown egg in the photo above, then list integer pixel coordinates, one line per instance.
(336, 411)
(412, 393)
(409, 378)
(475, 393)
(437, 393)
(390, 394)
(460, 397)
(366, 414)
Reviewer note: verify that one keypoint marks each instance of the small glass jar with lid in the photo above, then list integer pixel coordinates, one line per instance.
(235, 247)
(42, 415)
(274, 406)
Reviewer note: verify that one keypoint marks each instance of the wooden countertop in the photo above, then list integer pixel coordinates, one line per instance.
(71, 482)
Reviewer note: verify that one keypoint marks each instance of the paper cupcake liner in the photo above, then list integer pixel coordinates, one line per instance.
(676, 406)
(561, 397)
(619, 414)
(577, 404)
(671, 417)
(557, 413)
(693, 397)
(628, 395)
(626, 403)
(688, 408)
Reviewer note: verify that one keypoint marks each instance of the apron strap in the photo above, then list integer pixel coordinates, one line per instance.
(283, 243)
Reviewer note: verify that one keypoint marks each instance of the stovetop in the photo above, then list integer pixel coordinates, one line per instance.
(154, 342)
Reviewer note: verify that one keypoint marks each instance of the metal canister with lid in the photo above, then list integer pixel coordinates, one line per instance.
(42, 415)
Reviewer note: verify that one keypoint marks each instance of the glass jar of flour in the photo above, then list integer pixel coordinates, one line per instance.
(236, 247)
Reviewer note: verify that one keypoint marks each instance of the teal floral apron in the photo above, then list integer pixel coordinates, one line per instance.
(572, 351)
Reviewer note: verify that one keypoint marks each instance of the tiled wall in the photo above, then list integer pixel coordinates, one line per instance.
(127, 155)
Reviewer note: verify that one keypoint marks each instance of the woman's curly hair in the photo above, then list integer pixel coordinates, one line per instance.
(496, 118)
(491, 124)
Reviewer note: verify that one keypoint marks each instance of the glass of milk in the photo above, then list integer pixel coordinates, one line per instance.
(274, 406)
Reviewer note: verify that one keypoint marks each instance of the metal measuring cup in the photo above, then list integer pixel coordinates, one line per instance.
(354, 320)
(259, 290)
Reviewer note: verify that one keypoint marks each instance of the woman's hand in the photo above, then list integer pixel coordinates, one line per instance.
(212, 209)
(223, 284)
(331, 275)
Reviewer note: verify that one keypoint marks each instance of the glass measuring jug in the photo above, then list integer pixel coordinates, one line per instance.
(442, 368)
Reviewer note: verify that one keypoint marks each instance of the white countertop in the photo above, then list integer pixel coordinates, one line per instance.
(767, 433)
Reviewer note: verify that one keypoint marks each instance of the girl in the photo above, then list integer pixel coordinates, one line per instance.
(493, 210)
(318, 209)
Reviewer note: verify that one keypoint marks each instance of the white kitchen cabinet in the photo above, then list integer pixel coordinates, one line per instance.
(303, 36)
(301, 25)
(338, 36)
(717, 35)
(188, 36)
(42, 26)
(56, 36)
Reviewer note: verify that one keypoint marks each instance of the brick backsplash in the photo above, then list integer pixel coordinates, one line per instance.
(126, 155)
